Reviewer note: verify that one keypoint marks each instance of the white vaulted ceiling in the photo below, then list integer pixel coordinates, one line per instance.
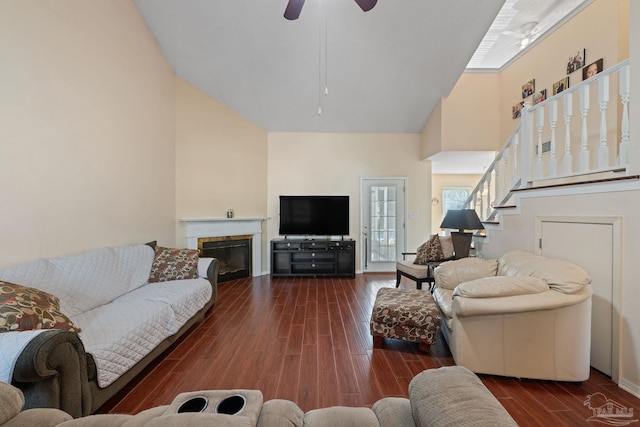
(384, 70)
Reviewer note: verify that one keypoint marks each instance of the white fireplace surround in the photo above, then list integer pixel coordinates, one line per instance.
(220, 227)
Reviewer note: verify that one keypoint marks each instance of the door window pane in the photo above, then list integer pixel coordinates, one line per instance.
(383, 223)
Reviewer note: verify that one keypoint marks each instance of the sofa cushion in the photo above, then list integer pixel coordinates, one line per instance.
(429, 251)
(341, 416)
(174, 264)
(280, 412)
(23, 308)
(87, 280)
(418, 271)
(12, 402)
(450, 274)
(500, 286)
(560, 275)
(393, 411)
(120, 334)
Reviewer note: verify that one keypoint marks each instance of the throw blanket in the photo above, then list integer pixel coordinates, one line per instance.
(12, 344)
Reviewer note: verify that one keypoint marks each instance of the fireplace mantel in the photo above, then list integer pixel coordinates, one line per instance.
(216, 227)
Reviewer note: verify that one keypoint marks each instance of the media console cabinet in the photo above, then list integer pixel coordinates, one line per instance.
(313, 258)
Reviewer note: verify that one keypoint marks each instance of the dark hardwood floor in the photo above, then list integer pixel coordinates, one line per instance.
(307, 340)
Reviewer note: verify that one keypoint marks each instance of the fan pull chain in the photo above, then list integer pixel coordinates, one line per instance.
(326, 57)
(319, 70)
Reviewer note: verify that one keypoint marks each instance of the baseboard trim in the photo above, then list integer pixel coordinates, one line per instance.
(630, 387)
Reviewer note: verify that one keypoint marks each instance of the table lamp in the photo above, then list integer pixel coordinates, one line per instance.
(461, 219)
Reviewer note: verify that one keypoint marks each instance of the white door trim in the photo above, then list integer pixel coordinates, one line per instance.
(404, 179)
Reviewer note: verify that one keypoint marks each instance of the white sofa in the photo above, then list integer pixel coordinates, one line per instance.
(522, 315)
(125, 323)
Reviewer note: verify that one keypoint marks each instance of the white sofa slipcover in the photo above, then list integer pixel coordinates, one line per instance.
(125, 321)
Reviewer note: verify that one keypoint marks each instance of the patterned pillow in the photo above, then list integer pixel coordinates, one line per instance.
(174, 264)
(429, 251)
(23, 308)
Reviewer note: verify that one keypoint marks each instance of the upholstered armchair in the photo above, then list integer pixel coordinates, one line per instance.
(428, 256)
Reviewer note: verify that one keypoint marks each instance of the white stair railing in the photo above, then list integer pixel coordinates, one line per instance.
(593, 144)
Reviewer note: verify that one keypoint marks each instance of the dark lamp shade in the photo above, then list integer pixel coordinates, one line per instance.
(462, 219)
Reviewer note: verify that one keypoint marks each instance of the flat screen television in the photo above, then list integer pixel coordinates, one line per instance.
(314, 215)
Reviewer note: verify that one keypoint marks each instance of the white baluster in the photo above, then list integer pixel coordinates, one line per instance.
(516, 147)
(584, 111)
(567, 160)
(624, 121)
(526, 151)
(540, 120)
(488, 207)
(505, 181)
(603, 99)
(553, 118)
(501, 175)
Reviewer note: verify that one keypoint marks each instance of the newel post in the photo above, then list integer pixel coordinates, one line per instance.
(526, 145)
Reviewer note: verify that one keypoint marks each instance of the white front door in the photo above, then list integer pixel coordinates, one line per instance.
(590, 243)
(383, 220)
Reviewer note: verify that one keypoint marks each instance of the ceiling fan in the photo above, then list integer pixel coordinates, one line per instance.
(294, 7)
(529, 31)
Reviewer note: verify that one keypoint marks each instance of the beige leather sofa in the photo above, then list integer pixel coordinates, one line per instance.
(522, 315)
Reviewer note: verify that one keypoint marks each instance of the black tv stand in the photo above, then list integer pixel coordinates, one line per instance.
(313, 257)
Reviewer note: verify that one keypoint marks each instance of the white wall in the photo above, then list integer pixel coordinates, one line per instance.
(333, 163)
(87, 155)
(221, 160)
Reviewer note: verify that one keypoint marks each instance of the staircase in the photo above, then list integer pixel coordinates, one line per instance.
(576, 138)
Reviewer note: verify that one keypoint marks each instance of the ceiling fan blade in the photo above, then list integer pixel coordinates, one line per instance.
(366, 5)
(294, 7)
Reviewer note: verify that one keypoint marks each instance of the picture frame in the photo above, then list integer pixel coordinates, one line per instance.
(561, 85)
(576, 61)
(528, 88)
(538, 97)
(516, 110)
(592, 69)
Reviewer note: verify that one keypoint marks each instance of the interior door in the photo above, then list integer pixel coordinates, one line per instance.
(383, 222)
(591, 246)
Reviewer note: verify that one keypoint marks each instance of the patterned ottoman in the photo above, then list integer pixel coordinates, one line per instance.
(405, 314)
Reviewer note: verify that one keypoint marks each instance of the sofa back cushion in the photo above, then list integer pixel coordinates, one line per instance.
(87, 280)
(451, 273)
(560, 275)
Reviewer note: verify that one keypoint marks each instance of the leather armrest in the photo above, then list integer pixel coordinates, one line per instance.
(51, 371)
